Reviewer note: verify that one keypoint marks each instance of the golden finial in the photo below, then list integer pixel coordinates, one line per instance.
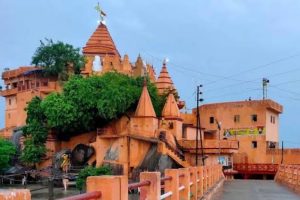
(101, 12)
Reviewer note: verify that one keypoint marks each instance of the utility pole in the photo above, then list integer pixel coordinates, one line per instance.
(282, 152)
(219, 132)
(198, 128)
(265, 82)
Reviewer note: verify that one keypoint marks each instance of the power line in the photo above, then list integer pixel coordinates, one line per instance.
(287, 91)
(234, 93)
(230, 77)
(286, 82)
(258, 67)
(256, 80)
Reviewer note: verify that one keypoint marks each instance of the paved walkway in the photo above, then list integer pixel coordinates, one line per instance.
(255, 189)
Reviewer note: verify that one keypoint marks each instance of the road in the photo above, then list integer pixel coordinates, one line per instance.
(255, 189)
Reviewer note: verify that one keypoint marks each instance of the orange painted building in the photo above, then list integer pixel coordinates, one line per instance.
(255, 124)
(21, 85)
(136, 142)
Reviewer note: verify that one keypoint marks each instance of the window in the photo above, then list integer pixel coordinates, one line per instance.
(271, 145)
(272, 119)
(254, 118)
(236, 118)
(211, 120)
(254, 144)
(9, 101)
(45, 83)
(8, 116)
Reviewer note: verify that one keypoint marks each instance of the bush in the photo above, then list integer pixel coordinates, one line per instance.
(7, 150)
(90, 171)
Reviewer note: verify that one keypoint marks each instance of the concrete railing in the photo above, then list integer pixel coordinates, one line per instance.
(184, 183)
(289, 175)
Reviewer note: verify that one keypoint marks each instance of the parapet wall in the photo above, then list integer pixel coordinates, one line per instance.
(15, 194)
(289, 175)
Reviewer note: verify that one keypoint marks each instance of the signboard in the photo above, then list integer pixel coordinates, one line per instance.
(245, 131)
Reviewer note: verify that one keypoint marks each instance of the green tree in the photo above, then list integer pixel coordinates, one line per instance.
(90, 171)
(87, 103)
(56, 57)
(7, 150)
(33, 152)
(35, 133)
(83, 105)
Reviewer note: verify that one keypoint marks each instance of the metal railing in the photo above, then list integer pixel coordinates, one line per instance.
(248, 168)
(86, 196)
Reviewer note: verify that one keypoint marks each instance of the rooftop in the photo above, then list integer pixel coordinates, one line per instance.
(267, 103)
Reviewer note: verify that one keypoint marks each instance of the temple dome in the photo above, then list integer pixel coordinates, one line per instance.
(145, 106)
(171, 109)
(164, 82)
(101, 43)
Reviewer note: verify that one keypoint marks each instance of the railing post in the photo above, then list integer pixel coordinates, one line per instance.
(193, 179)
(201, 181)
(172, 185)
(294, 177)
(220, 171)
(111, 187)
(184, 180)
(204, 179)
(215, 172)
(208, 177)
(153, 190)
(298, 179)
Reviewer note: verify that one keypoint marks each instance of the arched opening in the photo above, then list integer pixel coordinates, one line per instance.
(97, 64)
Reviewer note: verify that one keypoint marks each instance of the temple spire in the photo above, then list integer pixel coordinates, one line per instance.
(171, 109)
(145, 106)
(164, 82)
(101, 43)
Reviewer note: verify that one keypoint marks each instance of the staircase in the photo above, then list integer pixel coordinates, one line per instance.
(176, 157)
(166, 149)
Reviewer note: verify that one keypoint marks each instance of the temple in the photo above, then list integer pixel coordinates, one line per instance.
(144, 141)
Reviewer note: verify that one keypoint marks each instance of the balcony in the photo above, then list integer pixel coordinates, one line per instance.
(211, 146)
(9, 92)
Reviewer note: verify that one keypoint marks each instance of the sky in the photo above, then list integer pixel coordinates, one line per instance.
(226, 45)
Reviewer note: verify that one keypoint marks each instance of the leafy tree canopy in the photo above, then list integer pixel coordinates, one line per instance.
(87, 103)
(33, 152)
(55, 57)
(7, 150)
(83, 105)
(35, 133)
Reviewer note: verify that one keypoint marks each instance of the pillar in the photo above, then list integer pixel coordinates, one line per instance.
(200, 178)
(193, 179)
(184, 180)
(153, 190)
(173, 184)
(15, 194)
(111, 187)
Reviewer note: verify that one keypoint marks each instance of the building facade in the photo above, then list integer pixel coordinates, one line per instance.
(255, 124)
(136, 142)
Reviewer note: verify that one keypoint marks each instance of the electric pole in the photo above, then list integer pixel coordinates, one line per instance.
(219, 131)
(281, 152)
(198, 128)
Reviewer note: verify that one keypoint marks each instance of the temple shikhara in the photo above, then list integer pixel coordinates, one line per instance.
(234, 134)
